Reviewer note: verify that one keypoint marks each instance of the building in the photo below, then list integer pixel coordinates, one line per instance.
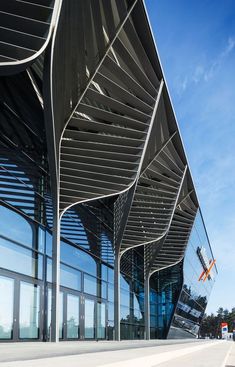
(98, 207)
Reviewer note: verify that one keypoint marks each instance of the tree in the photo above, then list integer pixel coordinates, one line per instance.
(211, 324)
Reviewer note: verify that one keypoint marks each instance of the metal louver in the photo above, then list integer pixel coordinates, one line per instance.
(103, 142)
(172, 248)
(25, 30)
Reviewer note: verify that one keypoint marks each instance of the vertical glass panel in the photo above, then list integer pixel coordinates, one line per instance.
(48, 243)
(29, 311)
(41, 240)
(100, 320)
(20, 232)
(49, 314)
(6, 307)
(110, 292)
(78, 258)
(104, 272)
(104, 290)
(124, 298)
(70, 277)
(72, 317)
(49, 270)
(90, 284)
(20, 259)
(111, 311)
(61, 318)
(89, 319)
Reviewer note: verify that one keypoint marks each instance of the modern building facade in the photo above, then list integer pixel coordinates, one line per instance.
(101, 234)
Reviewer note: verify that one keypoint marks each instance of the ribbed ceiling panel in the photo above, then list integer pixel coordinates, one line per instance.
(103, 142)
(25, 29)
(172, 249)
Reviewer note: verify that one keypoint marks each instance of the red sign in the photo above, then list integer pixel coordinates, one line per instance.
(223, 324)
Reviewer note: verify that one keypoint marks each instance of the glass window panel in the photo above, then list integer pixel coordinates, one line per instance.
(20, 232)
(78, 259)
(100, 320)
(41, 240)
(110, 330)
(111, 311)
(29, 318)
(6, 307)
(90, 284)
(104, 272)
(49, 270)
(104, 290)
(61, 318)
(110, 292)
(136, 302)
(89, 319)
(49, 314)
(124, 284)
(20, 259)
(72, 316)
(110, 275)
(124, 298)
(70, 277)
(48, 243)
(125, 314)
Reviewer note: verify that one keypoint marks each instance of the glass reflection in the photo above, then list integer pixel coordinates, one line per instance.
(29, 317)
(70, 277)
(21, 231)
(20, 259)
(6, 307)
(193, 300)
(89, 319)
(90, 284)
(101, 320)
(78, 259)
(72, 317)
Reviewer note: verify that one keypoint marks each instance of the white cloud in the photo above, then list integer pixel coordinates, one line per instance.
(219, 59)
(204, 72)
(198, 73)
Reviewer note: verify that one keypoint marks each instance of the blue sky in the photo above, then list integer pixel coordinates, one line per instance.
(196, 43)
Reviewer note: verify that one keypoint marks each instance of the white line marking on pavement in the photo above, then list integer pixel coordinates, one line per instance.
(155, 359)
(226, 357)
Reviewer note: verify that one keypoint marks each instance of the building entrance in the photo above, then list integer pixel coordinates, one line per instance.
(81, 317)
(20, 309)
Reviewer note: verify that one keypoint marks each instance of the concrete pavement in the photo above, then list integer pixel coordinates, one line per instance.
(163, 353)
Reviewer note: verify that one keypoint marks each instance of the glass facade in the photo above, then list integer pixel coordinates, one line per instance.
(86, 276)
(196, 286)
(177, 297)
(87, 285)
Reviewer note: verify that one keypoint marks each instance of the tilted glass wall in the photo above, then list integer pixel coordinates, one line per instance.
(165, 287)
(197, 285)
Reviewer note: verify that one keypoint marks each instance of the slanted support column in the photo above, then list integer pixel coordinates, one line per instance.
(117, 296)
(147, 307)
(55, 304)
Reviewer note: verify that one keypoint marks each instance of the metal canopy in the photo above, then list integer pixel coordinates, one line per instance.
(95, 82)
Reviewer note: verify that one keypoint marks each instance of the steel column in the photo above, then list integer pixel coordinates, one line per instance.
(55, 304)
(147, 308)
(117, 296)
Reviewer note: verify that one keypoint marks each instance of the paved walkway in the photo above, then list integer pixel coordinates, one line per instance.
(163, 353)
